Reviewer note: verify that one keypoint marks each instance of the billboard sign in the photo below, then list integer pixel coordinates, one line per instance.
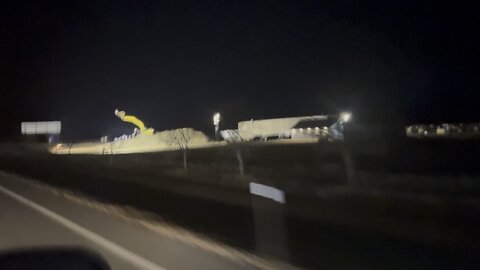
(42, 128)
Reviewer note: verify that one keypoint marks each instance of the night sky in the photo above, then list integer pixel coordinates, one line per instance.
(174, 63)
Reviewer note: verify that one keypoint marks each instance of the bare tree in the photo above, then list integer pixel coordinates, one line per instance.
(233, 138)
(181, 137)
(238, 154)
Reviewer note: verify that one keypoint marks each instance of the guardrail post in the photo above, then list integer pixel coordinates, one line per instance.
(269, 221)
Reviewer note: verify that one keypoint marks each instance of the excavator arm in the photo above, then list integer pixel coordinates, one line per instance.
(134, 120)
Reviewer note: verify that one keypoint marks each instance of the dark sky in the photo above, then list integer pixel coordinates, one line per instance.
(174, 63)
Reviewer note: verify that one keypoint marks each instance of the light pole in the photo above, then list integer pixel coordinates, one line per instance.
(345, 117)
(216, 123)
(337, 129)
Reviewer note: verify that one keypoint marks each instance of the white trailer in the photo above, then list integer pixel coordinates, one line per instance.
(273, 128)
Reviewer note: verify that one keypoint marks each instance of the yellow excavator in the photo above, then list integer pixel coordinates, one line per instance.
(134, 120)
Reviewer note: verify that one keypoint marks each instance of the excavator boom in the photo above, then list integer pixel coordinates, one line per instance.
(134, 120)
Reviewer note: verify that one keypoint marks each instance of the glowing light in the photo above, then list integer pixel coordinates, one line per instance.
(345, 117)
(216, 118)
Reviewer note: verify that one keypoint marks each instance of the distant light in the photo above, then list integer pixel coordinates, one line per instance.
(345, 117)
(216, 118)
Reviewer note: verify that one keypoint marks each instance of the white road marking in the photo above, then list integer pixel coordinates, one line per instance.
(115, 249)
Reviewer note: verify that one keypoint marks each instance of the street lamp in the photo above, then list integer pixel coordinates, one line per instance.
(345, 117)
(337, 129)
(216, 123)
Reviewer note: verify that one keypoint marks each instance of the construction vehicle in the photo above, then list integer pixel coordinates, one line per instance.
(134, 120)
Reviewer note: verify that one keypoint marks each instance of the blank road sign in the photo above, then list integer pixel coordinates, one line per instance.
(45, 127)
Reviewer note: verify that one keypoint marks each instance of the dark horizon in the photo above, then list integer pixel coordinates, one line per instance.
(174, 64)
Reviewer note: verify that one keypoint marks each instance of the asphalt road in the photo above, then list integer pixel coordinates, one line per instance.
(34, 218)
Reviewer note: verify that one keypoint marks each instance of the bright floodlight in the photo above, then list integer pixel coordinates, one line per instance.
(345, 117)
(216, 118)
